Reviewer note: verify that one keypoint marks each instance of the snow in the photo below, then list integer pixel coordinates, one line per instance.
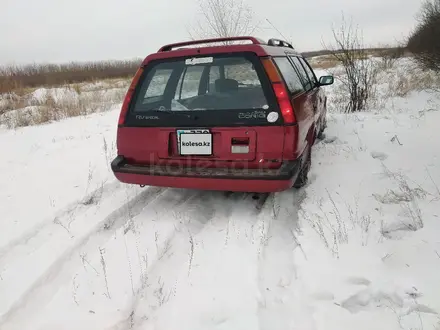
(375, 260)
(44, 105)
(357, 248)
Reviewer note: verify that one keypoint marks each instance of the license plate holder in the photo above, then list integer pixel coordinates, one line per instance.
(194, 142)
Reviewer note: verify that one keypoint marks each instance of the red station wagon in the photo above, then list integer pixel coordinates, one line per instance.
(216, 115)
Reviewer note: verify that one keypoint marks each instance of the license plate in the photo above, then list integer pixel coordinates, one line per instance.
(196, 142)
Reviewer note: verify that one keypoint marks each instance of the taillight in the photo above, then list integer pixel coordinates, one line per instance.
(284, 102)
(129, 96)
(281, 92)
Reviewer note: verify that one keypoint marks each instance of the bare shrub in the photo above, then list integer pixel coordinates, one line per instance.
(360, 71)
(223, 18)
(424, 42)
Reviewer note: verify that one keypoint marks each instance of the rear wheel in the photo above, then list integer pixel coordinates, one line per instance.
(302, 179)
(322, 129)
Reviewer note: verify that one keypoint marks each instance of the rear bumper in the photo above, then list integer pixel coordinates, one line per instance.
(225, 179)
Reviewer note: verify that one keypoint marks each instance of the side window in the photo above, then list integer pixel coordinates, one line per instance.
(309, 70)
(291, 77)
(302, 72)
(189, 82)
(158, 83)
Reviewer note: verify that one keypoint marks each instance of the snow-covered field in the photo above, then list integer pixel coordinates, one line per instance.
(42, 105)
(358, 248)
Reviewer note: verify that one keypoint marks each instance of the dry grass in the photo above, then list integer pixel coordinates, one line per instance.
(405, 84)
(324, 62)
(70, 90)
(389, 55)
(47, 105)
(18, 78)
(376, 51)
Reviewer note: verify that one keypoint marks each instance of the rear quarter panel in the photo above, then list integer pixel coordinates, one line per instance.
(303, 107)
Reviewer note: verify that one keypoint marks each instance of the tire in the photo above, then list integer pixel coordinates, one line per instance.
(322, 129)
(302, 178)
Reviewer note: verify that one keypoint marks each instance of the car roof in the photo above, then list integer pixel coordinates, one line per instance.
(273, 47)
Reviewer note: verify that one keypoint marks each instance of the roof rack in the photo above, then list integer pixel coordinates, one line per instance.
(255, 41)
(279, 43)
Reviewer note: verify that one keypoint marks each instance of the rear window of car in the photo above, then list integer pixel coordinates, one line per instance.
(208, 83)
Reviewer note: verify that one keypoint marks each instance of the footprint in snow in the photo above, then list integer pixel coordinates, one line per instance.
(330, 139)
(323, 296)
(358, 281)
(379, 155)
(373, 297)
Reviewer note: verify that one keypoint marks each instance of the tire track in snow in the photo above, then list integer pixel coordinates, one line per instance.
(23, 240)
(45, 286)
(199, 213)
(279, 304)
(191, 265)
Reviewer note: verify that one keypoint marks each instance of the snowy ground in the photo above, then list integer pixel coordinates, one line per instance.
(358, 248)
(42, 105)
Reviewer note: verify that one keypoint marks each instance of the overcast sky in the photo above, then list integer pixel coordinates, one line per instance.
(82, 30)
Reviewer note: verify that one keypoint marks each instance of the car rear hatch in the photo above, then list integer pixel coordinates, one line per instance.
(215, 109)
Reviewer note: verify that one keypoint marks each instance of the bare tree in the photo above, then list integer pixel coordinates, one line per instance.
(424, 42)
(360, 71)
(223, 18)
